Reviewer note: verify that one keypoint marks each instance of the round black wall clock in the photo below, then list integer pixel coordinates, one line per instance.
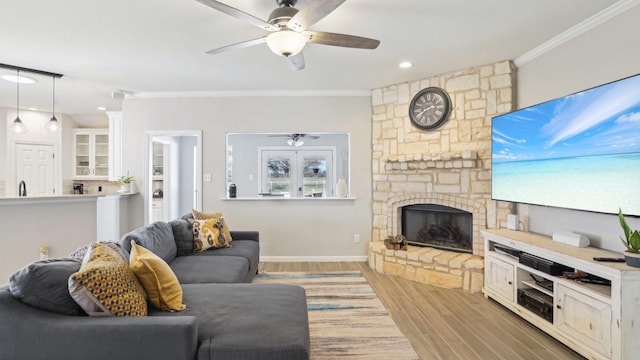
(430, 108)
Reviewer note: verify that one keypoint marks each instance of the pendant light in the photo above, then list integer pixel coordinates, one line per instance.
(18, 126)
(53, 125)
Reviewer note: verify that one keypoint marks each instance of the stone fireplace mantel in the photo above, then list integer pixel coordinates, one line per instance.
(464, 160)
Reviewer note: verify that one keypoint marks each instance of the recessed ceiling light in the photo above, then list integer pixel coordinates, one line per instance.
(21, 79)
(102, 108)
(405, 65)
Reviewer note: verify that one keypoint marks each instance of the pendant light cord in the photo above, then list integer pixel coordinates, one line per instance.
(18, 96)
(54, 97)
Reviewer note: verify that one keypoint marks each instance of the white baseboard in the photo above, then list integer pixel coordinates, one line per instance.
(313, 258)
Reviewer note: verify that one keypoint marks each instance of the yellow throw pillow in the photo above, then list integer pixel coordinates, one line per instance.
(157, 278)
(204, 216)
(105, 286)
(206, 234)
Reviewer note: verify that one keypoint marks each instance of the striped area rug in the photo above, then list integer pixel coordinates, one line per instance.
(346, 318)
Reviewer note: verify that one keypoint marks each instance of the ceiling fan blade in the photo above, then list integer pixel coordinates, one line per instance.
(312, 13)
(296, 62)
(238, 14)
(343, 40)
(240, 45)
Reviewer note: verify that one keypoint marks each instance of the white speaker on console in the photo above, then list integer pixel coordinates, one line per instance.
(513, 222)
(570, 238)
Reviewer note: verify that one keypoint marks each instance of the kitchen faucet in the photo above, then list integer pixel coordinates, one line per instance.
(22, 188)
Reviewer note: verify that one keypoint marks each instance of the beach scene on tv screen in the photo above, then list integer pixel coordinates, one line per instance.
(580, 151)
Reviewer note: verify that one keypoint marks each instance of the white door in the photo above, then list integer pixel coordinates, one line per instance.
(34, 166)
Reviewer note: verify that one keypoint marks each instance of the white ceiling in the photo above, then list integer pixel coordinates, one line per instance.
(158, 46)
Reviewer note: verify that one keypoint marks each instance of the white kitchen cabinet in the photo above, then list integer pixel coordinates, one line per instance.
(91, 154)
(596, 320)
(157, 210)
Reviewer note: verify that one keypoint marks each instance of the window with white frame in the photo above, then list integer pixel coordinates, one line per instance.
(308, 172)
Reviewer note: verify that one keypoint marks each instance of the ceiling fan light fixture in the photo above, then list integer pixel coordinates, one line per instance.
(299, 142)
(286, 42)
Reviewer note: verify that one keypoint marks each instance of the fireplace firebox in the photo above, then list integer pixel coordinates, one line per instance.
(438, 226)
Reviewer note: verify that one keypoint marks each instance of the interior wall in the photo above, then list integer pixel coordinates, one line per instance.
(606, 53)
(187, 144)
(3, 152)
(303, 229)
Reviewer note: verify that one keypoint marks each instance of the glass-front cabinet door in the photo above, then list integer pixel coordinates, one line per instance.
(91, 154)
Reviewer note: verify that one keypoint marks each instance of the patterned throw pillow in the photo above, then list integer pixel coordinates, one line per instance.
(157, 278)
(206, 234)
(106, 286)
(204, 216)
(80, 252)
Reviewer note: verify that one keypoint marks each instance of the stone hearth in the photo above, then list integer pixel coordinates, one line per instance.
(431, 266)
(448, 166)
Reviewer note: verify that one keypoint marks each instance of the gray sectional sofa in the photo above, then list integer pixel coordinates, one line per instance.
(226, 316)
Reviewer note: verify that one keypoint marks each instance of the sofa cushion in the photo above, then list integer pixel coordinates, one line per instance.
(159, 282)
(198, 215)
(183, 236)
(156, 237)
(43, 284)
(248, 321)
(247, 249)
(205, 269)
(106, 286)
(208, 234)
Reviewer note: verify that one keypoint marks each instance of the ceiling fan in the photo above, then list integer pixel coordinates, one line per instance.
(296, 139)
(288, 27)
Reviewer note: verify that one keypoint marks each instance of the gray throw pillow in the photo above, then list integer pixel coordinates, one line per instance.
(156, 237)
(183, 235)
(43, 284)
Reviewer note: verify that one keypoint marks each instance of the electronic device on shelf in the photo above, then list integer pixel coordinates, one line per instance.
(507, 250)
(544, 265)
(537, 302)
(587, 278)
(545, 283)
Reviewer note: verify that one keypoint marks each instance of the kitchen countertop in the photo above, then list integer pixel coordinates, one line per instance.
(18, 200)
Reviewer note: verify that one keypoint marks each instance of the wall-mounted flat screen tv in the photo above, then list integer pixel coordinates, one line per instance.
(581, 151)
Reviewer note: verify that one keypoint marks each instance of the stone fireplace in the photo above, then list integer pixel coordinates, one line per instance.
(449, 167)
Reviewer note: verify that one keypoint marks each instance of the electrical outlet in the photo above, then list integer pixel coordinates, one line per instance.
(44, 252)
(207, 177)
(356, 238)
(251, 177)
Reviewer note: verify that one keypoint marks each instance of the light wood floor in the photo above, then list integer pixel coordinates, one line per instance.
(449, 324)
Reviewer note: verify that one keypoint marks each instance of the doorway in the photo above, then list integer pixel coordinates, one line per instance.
(35, 166)
(173, 178)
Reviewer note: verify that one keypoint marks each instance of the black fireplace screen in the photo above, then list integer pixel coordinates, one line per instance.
(438, 226)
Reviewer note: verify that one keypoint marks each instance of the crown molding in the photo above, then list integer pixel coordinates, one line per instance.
(247, 93)
(577, 30)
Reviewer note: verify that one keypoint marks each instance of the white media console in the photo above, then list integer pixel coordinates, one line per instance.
(597, 321)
